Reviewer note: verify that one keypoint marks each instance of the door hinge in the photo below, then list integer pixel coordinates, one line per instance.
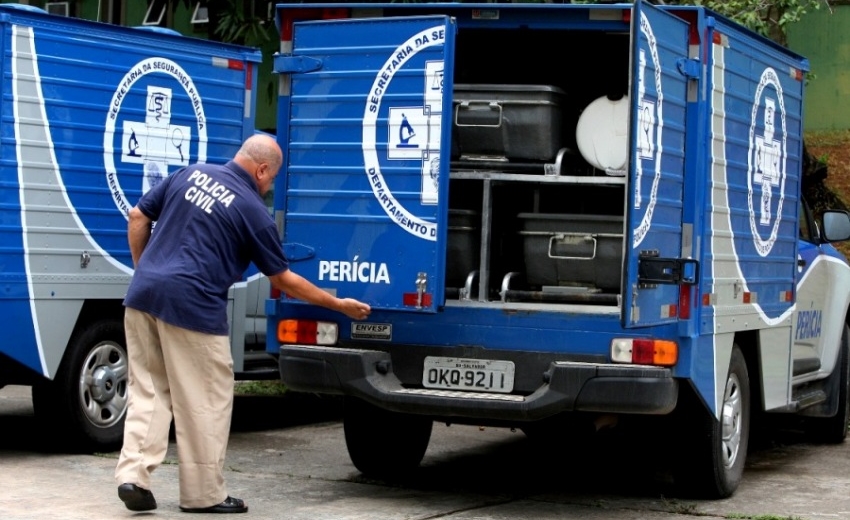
(289, 64)
(688, 67)
(295, 252)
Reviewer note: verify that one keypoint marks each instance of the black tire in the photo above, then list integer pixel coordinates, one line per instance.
(713, 453)
(384, 444)
(833, 430)
(87, 400)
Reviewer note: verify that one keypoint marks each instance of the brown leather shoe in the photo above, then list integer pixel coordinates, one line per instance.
(136, 498)
(229, 505)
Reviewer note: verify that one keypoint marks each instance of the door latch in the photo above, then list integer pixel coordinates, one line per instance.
(653, 269)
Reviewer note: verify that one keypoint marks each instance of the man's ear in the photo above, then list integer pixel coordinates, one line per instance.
(262, 171)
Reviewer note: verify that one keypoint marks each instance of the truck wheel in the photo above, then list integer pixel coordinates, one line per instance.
(88, 397)
(833, 430)
(712, 452)
(381, 443)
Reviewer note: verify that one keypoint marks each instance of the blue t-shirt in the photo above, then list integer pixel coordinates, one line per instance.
(211, 222)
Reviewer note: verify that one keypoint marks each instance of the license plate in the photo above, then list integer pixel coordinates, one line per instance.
(482, 375)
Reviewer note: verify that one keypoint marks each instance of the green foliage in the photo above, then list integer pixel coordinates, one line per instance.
(767, 17)
(234, 26)
(230, 22)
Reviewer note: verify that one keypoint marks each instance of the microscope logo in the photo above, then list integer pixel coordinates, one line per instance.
(155, 143)
(766, 162)
(415, 132)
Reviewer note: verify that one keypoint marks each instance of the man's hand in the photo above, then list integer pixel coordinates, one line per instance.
(354, 309)
(299, 287)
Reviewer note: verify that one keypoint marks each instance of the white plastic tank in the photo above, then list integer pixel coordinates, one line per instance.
(602, 134)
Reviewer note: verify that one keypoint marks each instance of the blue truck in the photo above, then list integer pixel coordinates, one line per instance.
(93, 116)
(563, 216)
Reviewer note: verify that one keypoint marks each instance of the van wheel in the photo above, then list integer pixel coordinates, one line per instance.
(88, 397)
(381, 443)
(833, 430)
(712, 452)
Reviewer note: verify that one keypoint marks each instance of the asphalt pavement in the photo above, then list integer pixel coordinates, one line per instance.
(287, 460)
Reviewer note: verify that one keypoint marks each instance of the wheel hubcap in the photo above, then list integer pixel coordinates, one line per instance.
(731, 421)
(103, 384)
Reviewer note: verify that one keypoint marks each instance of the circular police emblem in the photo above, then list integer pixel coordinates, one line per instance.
(650, 102)
(155, 121)
(766, 162)
(412, 132)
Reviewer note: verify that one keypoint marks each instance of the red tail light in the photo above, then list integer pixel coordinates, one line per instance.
(307, 332)
(644, 351)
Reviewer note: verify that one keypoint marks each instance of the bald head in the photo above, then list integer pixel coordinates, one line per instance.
(260, 149)
(261, 157)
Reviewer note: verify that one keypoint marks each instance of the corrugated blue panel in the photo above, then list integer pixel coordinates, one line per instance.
(92, 116)
(92, 79)
(146, 94)
(763, 91)
(657, 166)
(364, 156)
(14, 297)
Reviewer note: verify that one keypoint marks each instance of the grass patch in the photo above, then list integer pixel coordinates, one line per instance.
(268, 388)
(827, 137)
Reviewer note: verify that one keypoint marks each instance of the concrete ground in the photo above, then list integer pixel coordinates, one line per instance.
(287, 459)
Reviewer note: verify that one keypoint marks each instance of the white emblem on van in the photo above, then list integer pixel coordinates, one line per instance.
(155, 143)
(354, 271)
(651, 124)
(766, 160)
(414, 132)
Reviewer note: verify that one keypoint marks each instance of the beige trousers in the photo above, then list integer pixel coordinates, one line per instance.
(187, 375)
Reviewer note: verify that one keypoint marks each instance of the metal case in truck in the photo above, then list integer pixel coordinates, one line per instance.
(505, 122)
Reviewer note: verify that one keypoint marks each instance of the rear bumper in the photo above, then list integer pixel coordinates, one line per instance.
(571, 386)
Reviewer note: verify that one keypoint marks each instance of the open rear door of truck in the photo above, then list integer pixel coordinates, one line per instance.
(363, 157)
(660, 69)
